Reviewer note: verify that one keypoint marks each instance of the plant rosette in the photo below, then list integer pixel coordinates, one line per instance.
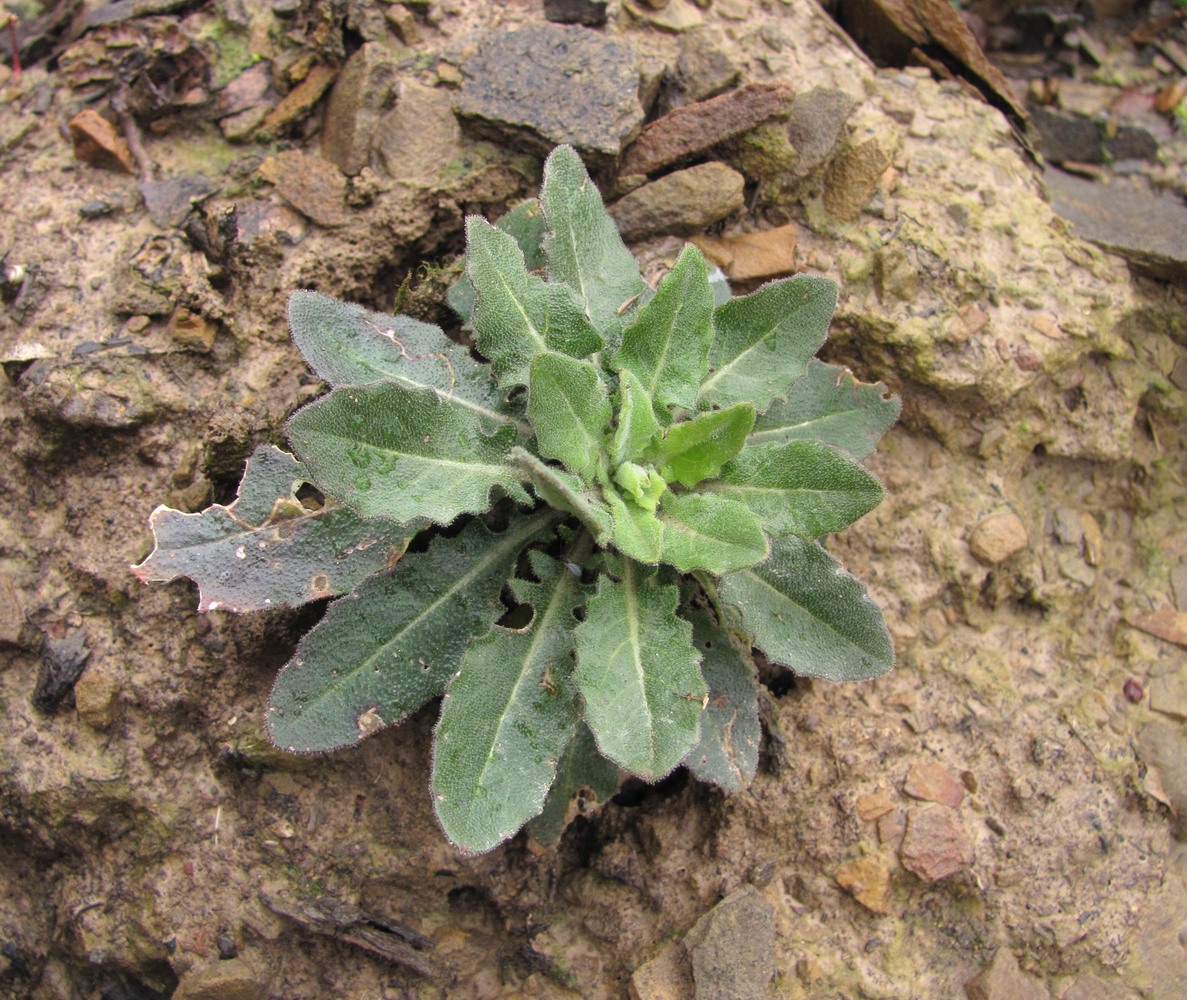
(614, 508)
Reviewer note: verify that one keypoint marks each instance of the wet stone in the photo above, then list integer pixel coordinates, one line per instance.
(998, 537)
(933, 782)
(363, 92)
(696, 128)
(868, 881)
(1003, 980)
(591, 13)
(935, 844)
(680, 203)
(732, 948)
(551, 84)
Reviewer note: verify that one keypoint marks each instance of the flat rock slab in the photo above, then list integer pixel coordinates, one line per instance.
(681, 203)
(732, 948)
(551, 84)
(696, 128)
(1149, 231)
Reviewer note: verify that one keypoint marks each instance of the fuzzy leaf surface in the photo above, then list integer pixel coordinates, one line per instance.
(266, 549)
(525, 224)
(569, 406)
(346, 344)
(830, 406)
(806, 613)
(762, 342)
(585, 780)
(388, 450)
(638, 673)
(703, 531)
(583, 247)
(566, 492)
(667, 346)
(697, 449)
(379, 654)
(800, 488)
(726, 752)
(636, 426)
(508, 717)
(638, 533)
(519, 315)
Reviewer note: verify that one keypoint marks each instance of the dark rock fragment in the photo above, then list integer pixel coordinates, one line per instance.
(591, 13)
(732, 948)
(1068, 137)
(62, 662)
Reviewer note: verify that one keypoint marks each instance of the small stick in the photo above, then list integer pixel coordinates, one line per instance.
(132, 136)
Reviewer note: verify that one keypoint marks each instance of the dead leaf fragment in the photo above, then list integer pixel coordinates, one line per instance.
(99, 143)
(752, 256)
(1163, 623)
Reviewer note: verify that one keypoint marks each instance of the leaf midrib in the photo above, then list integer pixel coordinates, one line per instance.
(712, 380)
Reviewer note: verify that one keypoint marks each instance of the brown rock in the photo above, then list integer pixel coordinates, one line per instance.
(403, 22)
(1166, 623)
(891, 827)
(935, 844)
(94, 697)
(1094, 540)
(420, 135)
(99, 143)
(814, 127)
(998, 537)
(868, 881)
(233, 979)
(668, 976)
(697, 128)
(364, 90)
(1168, 693)
(12, 618)
(295, 106)
(874, 805)
(193, 331)
(674, 16)
(933, 782)
(732, 948)
(1003, 980)
(681, 203)
(852, 178)
(752, 256)
(313, 186)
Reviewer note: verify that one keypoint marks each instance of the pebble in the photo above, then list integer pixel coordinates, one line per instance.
(998, 537)
(170, 201)
(420, 135)
(1168, 694)
(192, 331)
(668, 976)
(403, 23)
(868, 881)
(933, 782)
(675, 16)
(851, 180)
(297, 104)
(362, 93)
(767, 253)
(732, 948)
(1072, 137)
(313, 186)
(94, 697)
(815, 125)
(1094, 541)
(12, 618)
(246, 91)
(99, 143)
(591, 13)
(696, 128)
(111, 394)
(935, 844)
(551, 84)
(1003, 980)
(703, 69)
(874, 805)
(232, 979)
(680, 203)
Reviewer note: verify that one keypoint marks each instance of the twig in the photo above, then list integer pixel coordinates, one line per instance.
(131, 132)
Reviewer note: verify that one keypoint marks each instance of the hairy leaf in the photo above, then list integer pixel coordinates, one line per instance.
(702, 531)
(807, 613)
(566, 492)
(636, 425)
(346, 344)
(830, 406)
(388, 450)
(584, 781)
(508, 717)
(267, 550)
(800, 488)
(762, 342)
(583, 247)
(697, 449)
(525, 224)
(519, 315)
(726, 752)
(569, 406)
(638, 674)
(382, 652)
(668, 344)
(638, 533)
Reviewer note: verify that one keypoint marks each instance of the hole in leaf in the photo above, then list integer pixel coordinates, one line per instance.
(311, 497)
(519, 617)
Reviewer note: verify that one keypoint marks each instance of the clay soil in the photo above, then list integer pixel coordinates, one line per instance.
(152, 843)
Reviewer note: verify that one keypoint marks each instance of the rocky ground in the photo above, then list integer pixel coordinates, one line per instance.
(999, 817)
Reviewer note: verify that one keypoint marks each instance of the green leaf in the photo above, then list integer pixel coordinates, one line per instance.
(800, 488)
(267, 550)
(379, 654)
(668, 344)
(636, 425)
(762, 342)
(569, 406)
(585, 780)
(702, 531)
(806, 613)
(638, 674)
(566, 492)
(508, 716)
(830, 406)
(519, 315)
(525, 224)
(583, 247)
(697, 449)
(388, 450)
(638, 533)
(346, 344)
(726, 752)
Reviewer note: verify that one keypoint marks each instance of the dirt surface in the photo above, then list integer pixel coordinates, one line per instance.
(1014, 788)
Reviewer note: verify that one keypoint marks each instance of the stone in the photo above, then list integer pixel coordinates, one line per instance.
(12, 617)
(767, 253)
(933, 782)
(246, 91)
(703, 69)
(170, 201)
(419, 136)
(1094, 540)
(667, 976)
(732, 948)
(675, 16)
(233, 979)
(680, 203)
(814, 126)
(313, 186)
(1165, 623)
(1070, 137)
(696, 128)
(591, 13)
(99, 143)
(851, 180)
(403, 23)
(1089, 987)
(868, 881)
(552, 83)
(935, 844)
(874, 805)
(109, 394)
(363, 92)
(296, 105)
(762, 154)
(1003, 980)
(94, 697)
(1148, 230)
(192, 331)
(997, 537)
(1168, 693)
